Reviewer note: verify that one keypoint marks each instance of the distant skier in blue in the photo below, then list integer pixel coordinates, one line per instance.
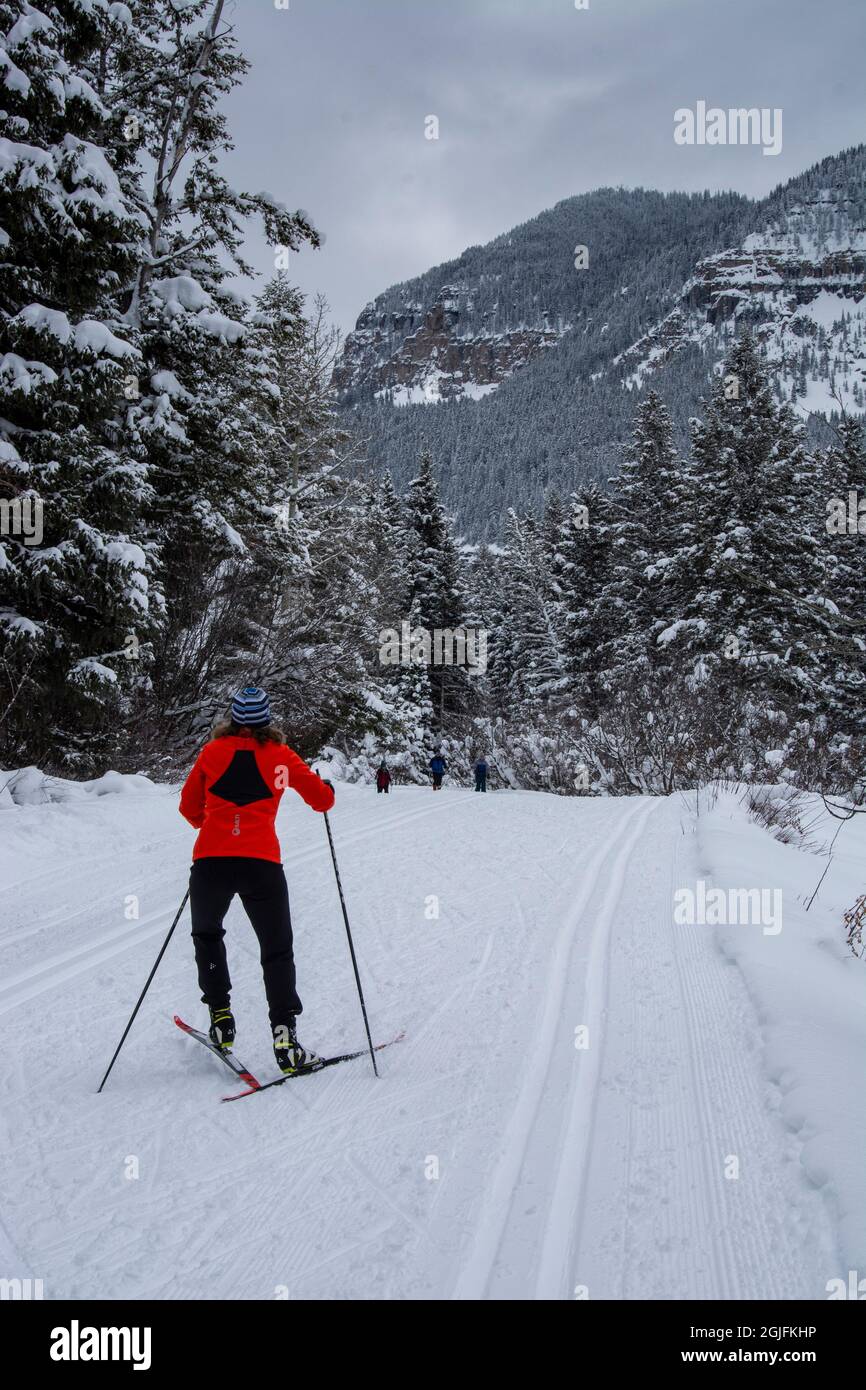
(437, 765)
(481, 774)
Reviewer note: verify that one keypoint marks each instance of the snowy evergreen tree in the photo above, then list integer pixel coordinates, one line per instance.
(842, 526)
(293, 355)
(646, 510)
(78, 605)
(747, 586)
(213, 496)
(436, 586)
(408, 725)
(584, 559)
(535, 619)
(282, 436)
(391, 525)
(551, 530)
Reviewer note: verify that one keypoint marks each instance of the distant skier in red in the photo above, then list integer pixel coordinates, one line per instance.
(231, 797)
(383, 778)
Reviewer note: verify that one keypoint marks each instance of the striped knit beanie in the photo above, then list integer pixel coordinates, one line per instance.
(250, 707)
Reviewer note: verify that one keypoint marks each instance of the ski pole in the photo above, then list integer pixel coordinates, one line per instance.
(144, 991)
(351, 945)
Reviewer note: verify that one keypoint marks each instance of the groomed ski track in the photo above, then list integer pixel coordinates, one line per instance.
(494, 1159)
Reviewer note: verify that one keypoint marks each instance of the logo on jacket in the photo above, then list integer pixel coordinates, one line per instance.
(242, 782)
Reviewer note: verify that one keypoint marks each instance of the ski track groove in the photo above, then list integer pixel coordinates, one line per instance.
(706, 1215)
(478, 1265)
(564, 1211)
(709, 1187)
(753, 1218)
(667, 1146)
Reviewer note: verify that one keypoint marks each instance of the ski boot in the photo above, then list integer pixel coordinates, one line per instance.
(290, 1055)
(222, 1027)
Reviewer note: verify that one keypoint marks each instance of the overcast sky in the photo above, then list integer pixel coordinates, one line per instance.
(536, 100)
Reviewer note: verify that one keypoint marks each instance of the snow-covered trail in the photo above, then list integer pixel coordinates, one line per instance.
(492, 1159)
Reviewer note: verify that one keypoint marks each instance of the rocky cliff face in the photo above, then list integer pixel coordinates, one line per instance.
(427, 354)
(800, 286)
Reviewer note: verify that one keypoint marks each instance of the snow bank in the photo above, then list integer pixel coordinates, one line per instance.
(809, 991)
(28, 786)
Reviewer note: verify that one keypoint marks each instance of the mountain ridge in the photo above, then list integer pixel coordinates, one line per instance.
(521, 373)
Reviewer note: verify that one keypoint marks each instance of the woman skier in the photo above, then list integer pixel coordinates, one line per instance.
(231, 797)
(383, 777)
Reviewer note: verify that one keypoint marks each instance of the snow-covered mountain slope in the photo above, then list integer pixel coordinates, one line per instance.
(520, 376)
(475, 322)
(494, 1157)
(800, 286)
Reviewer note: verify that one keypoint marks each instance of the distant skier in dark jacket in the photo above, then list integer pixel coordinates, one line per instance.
(383, 778)
(481, 775)
(438, 765)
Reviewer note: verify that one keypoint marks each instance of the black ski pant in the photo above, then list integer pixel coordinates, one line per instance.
(261, 887)
(382, 789)
(481, 781)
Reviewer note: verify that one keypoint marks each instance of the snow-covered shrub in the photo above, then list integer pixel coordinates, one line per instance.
(855, 920)
(786, 812)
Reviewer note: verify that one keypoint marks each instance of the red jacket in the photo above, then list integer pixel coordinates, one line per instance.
(233, 793)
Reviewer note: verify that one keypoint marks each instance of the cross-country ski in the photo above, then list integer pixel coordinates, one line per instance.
(310, 1067)
(224, 1055)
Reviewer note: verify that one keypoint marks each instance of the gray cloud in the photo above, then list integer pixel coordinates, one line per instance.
(536, 101)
